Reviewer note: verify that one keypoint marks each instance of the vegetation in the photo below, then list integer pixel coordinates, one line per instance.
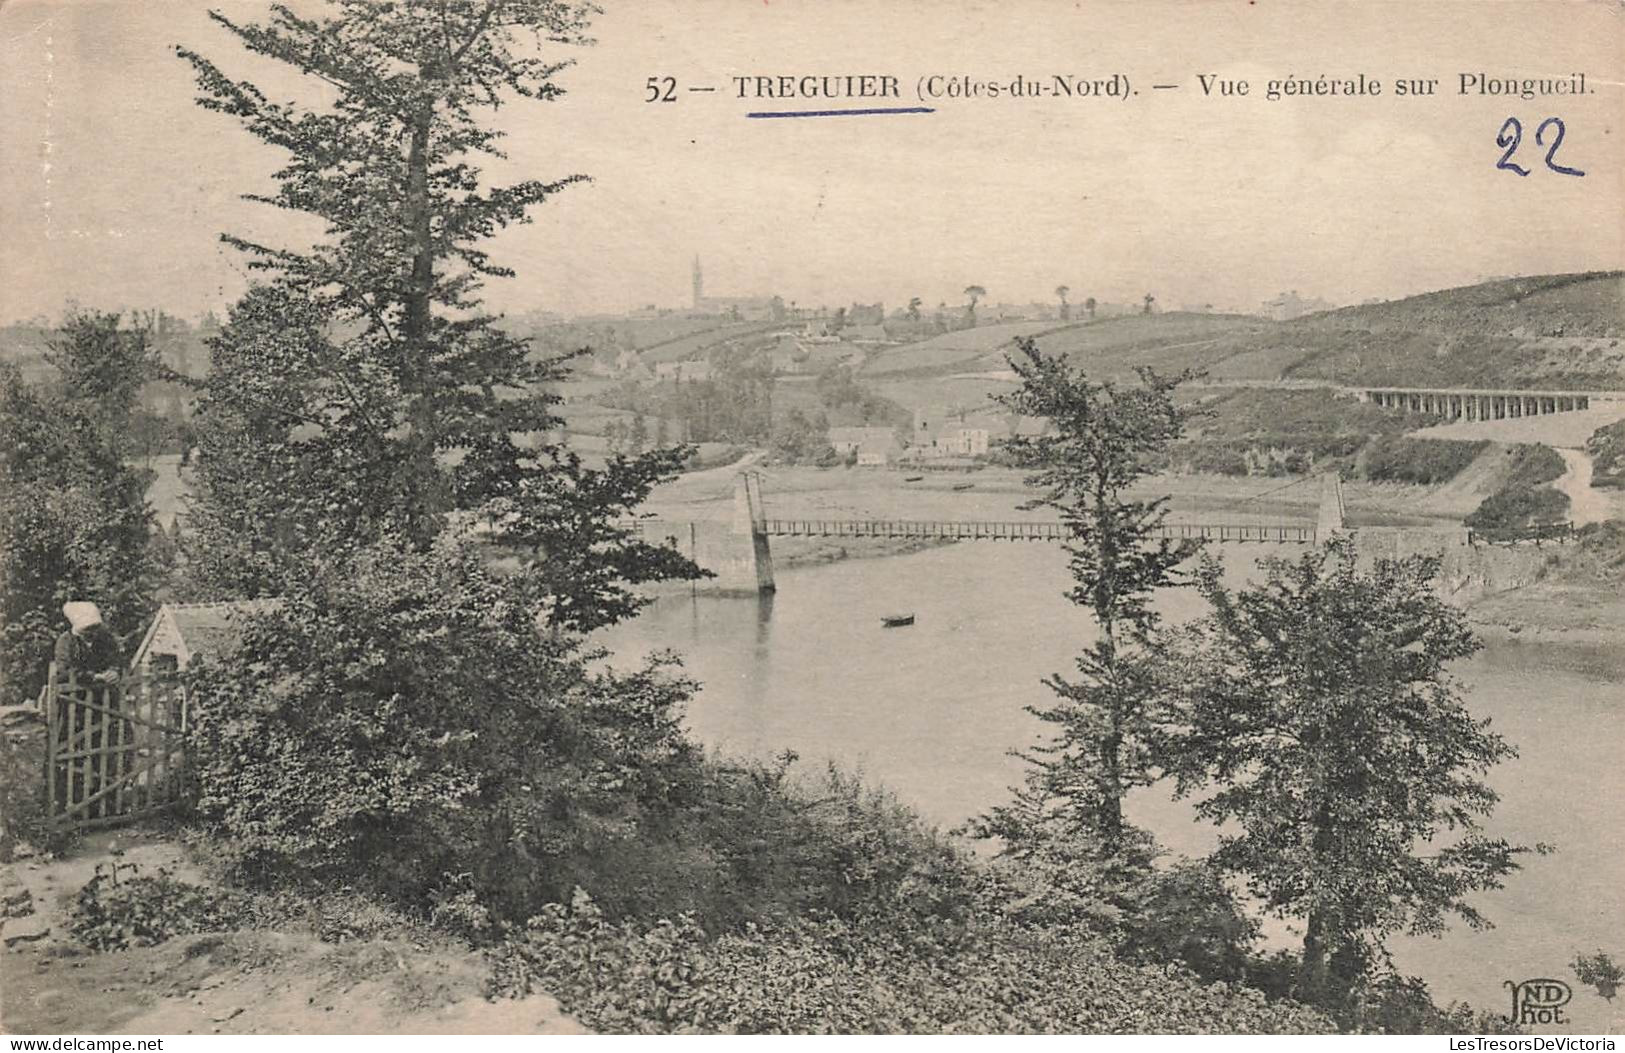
(1293, 432)
(410, 724)
(825, 975)
(1523, 500)
(1101, 436)
(405, 720)
(1319, 719)
(733, 405)
(1607, 449)
(74, 523)
(973, 294)
(1598, 557)
(1599, 970)
(396, 718)
(1426, 462)
(113, 913)
(362, 395)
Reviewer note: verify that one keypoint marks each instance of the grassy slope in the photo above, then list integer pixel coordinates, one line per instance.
(1552, 331)
(1529, 332)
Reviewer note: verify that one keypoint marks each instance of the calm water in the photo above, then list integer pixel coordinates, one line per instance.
(933, 709)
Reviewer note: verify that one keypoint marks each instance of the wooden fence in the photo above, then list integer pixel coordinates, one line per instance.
(113, 751)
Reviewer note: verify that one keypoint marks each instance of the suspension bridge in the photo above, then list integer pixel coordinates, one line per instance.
(740, 552)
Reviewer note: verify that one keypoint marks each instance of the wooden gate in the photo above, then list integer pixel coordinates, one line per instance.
(113, 750)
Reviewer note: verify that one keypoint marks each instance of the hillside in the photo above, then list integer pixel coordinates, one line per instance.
(958, 350)
(1555, 305)
(1557, 331)
(1554, 331)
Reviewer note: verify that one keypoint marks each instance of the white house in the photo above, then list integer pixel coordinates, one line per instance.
(848, 440)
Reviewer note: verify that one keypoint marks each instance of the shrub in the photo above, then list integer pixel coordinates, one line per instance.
(1402, 1005)
(825, 975)
(1524, 500)
(1390, 458)
(1184, 914)
(1607, 449)
(1600, 971)
(113, 913)
(755, 842)
(1212, 458)
(1514, 510)
(1533, 465)
(398, 722)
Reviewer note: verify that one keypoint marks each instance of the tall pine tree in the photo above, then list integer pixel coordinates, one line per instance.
(366, 390)
(1098, 441)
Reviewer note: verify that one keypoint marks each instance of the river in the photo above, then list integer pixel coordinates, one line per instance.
(932, 710)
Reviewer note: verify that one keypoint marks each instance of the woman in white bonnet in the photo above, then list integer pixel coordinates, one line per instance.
(87, 647)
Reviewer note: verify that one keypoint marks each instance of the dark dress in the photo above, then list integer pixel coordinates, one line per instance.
(88, 655)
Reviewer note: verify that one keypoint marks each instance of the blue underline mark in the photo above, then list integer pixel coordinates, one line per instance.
(841, 113)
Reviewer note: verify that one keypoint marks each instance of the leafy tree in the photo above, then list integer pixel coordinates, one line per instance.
(103, 367)
(973, 293)
(1066, 308)
(74, 522)
(390, 371)
(914, 308)
(800, 438)
(1149, 300)
(396, 722)
(1098, 444)
(1089, 305)
(1319, 712)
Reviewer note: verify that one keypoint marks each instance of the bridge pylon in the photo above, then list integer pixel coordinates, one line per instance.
(1330, 519)
(748, 565)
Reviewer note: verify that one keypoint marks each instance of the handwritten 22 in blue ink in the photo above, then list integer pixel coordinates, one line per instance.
(1511, 134)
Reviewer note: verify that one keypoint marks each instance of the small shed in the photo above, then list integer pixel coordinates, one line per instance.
(182, 631)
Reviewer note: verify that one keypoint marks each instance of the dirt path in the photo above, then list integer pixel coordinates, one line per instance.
(1586, 505)
(283, 981)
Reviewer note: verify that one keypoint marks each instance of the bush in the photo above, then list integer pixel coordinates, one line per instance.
(1211, 458)
(113, 914)
(398, 722)
(1402, 1005)
(1390, 458)
(753, 843)
(1607, 449)
(1533, 465)
(1184, 914)
(825, 975)
(1600, 971)
(1515, 510)
(1524, 501)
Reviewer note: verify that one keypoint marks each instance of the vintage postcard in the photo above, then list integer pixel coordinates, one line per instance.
(812, 517)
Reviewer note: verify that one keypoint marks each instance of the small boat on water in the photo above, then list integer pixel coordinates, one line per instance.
(912, 478)
(963, 486)
(893, 621)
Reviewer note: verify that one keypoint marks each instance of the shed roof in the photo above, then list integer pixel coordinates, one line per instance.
(187, 630)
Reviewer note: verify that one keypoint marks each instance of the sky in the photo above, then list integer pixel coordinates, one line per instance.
(115, 186)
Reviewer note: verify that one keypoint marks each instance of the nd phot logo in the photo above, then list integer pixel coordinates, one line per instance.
(1538, 1001)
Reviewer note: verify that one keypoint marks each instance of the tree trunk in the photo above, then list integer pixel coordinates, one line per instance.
(423, 490)
(1312, 970)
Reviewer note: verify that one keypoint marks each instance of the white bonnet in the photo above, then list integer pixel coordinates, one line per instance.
(81, 615)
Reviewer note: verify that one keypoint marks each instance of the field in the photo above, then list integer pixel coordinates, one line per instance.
(961, 349)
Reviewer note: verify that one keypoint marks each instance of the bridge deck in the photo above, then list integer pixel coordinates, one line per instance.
(1017, 530)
